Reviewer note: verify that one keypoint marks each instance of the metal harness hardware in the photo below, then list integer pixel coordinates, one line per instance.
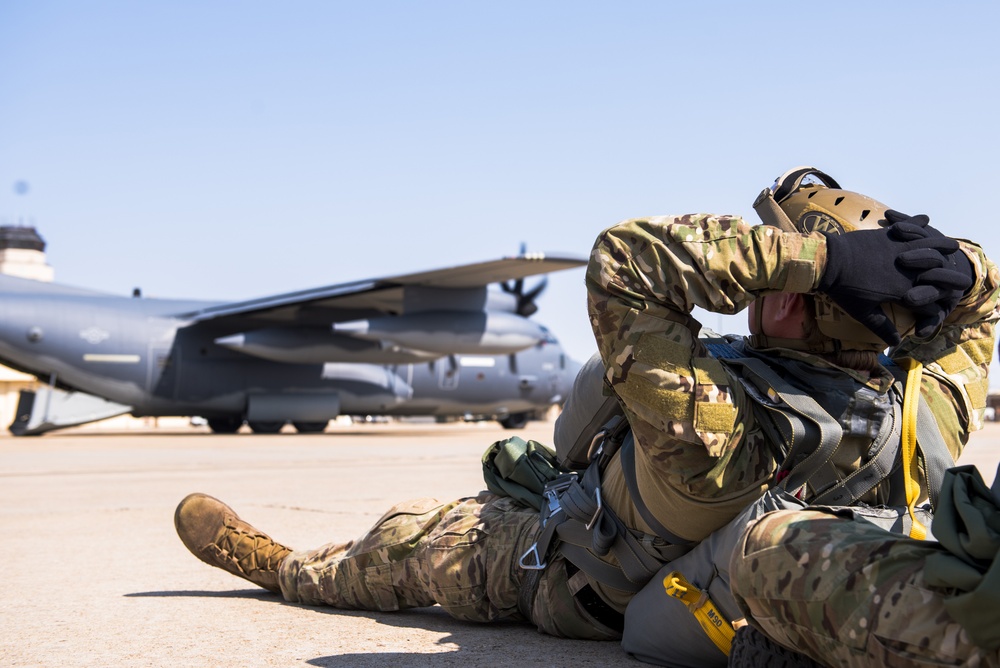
(581, 528)
(597, 513)
(552, 491)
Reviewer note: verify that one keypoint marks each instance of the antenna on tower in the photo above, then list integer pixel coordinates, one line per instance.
(21, 187)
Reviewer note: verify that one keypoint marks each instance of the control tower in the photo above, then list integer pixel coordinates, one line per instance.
(22, 253)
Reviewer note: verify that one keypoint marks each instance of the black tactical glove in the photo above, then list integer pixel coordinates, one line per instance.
(940, 271)
(908, 263)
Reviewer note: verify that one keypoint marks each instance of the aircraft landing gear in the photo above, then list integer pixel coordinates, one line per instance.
(230, 425)
(515, 421)
(266, 426)
(224, 425)
(310, 427)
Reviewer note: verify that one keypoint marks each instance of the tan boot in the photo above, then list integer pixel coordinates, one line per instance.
(215, 534)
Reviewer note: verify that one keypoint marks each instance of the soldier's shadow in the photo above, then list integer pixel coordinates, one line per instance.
(462, 643)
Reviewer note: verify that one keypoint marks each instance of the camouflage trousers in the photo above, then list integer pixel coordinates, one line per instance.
(847, 593)
(461, 555)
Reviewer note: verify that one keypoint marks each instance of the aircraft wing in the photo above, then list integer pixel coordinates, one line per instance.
(359, 299)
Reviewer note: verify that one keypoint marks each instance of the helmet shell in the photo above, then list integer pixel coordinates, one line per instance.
(808, 201)
(816, 208)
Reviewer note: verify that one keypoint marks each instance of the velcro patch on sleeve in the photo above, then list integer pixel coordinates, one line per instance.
(709, 371)
(715, 418)
(713, 408)
(980, 351)
(955, 362)
(665, 404)
(978, 391)
(801, 274)
(657, 350)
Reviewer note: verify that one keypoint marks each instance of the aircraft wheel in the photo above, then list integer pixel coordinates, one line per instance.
(226, 425)
(310, 427)
(515, 421)
(266, 426)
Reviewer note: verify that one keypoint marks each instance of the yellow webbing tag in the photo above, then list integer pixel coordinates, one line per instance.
(911, 401)
(701, 606)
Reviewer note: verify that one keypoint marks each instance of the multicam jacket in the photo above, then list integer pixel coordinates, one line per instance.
(700, 454)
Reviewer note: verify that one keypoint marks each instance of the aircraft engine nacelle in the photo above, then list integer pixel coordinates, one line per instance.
(450, 332)
(316, 345)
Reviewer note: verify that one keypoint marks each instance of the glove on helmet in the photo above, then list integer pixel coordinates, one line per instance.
(805, 200)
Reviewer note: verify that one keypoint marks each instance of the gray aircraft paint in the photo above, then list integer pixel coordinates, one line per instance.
(286, 355)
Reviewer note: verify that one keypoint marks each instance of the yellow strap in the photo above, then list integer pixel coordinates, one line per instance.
(701, 606)
(911, 401)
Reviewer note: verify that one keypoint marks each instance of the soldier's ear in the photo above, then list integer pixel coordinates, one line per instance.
(790, 306)
(793, 314)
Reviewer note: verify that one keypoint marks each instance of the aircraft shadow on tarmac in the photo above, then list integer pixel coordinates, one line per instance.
(329, 436)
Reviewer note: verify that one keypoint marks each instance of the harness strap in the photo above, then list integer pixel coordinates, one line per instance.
(879, 467)
(829, 430)
(602, 571)
(575, 543)
(587, 530)
(911, 479)
(588, 524)
(529, 589)
(628, 469)
(937, 458)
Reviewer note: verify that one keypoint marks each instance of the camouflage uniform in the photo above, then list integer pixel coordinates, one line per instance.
(700, 455)
(847, 593)
(462, 555)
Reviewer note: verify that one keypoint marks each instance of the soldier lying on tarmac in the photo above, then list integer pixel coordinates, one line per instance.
(807, 406)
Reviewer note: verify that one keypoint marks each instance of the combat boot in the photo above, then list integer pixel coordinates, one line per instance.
(215, 534)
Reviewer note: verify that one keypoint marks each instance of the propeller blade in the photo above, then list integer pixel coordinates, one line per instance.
(525, 300)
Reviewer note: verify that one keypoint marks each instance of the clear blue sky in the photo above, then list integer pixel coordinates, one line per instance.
(236, 149)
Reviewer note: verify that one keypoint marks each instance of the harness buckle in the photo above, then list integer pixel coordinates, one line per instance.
(552, 490)
(537, 565)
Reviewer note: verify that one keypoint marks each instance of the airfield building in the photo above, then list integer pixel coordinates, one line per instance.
(22, 254)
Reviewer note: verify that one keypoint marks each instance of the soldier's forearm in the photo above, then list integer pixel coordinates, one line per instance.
(718, 263)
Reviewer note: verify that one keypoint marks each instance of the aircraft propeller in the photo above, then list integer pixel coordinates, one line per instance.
(526, 305)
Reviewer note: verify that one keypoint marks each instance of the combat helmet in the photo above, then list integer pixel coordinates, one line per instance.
(806, 200)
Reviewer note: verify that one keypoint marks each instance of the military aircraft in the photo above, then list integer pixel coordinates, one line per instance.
(442, 342)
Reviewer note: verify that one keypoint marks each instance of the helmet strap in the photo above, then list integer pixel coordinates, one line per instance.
(790, 181)
(766, 204)
(817, 342)
(812, 345)
(770, 213)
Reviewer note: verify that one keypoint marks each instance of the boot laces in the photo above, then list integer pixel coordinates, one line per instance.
(253, 552)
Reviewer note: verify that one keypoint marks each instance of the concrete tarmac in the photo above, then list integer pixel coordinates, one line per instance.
(96, 575)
